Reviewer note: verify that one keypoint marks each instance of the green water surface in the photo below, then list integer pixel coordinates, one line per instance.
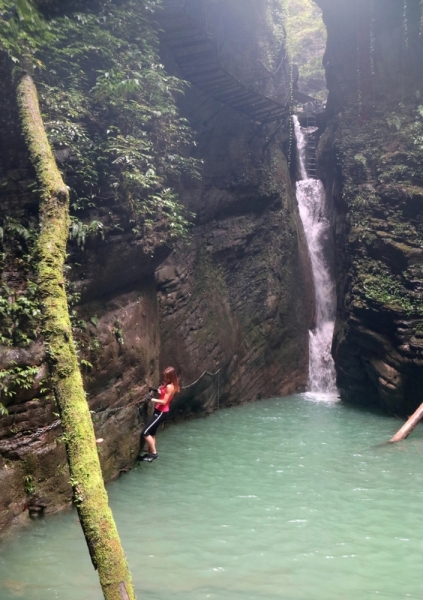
(284, 499)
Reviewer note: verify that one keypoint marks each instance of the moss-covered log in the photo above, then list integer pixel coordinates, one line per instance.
(90, 495)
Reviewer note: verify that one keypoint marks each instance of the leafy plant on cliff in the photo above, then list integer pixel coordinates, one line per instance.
(113, 123)
(19, 304)
(111, 112)
(403, 160)
(29, 486)
(112, 120)
(79, 231)
(16, 378)
(22, 30)
(383, 289)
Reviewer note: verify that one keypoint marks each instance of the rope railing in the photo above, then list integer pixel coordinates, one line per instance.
(27, 436)
(205, 395)
(200, 378)
(196, 53)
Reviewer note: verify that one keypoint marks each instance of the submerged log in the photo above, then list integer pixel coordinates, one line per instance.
(89, 493)
(408, 427)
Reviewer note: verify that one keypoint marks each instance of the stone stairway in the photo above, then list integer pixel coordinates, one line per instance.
(196, 55)
(311, 146)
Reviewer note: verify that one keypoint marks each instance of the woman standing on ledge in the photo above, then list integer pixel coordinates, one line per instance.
(167, 391)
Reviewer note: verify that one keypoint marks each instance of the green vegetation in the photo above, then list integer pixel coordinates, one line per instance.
(16, 378)
(23, 31)
(306, 40)
(19, 301)
(110, 114)
(111, 118)
(118, 332)
(383, 190)
(29, 486)
(382, 289)
(276, 33)
(80, 231)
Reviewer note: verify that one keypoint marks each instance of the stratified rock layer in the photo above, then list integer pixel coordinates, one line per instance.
(235, 298)
(239, 297)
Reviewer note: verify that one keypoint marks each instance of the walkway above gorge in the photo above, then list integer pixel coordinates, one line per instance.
(196, 54)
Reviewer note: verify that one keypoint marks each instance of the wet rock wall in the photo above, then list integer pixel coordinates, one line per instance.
(235, 299)
(239, 298)
(371, 161)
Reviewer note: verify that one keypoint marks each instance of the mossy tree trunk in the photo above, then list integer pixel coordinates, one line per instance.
(90, 496)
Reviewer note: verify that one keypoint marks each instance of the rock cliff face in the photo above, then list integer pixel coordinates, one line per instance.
(371, 159)
(236, 298)
(232, 299)
(239, 297)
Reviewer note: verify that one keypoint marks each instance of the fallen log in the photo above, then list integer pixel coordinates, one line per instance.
(89, 493)
(408, 427)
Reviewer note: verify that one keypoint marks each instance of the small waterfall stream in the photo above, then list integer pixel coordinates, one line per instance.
(311, 201)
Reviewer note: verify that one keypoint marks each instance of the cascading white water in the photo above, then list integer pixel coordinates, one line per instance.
(311, 202)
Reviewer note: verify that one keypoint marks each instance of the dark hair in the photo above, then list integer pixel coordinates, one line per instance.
(170, 376)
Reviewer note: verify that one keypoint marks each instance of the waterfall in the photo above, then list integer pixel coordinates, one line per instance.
(312, 205)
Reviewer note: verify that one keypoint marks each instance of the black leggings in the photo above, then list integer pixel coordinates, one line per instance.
(153, 423)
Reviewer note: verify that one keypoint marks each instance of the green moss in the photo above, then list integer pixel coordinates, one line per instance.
(373, 282)
(19, 306)
(380, 165)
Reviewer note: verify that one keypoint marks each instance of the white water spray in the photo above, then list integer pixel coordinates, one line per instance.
(312, 206)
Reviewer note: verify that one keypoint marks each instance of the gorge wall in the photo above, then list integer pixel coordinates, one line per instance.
(371, 159)
(234, 298)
